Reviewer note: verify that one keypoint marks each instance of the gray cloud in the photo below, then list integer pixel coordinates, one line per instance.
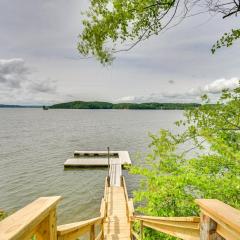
(44, 86)
(18, 83)
(46, 39)
(12, 72)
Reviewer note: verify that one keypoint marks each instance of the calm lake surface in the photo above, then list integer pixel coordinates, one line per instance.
(34, 145)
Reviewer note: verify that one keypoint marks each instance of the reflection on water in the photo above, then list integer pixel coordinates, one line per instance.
(34, 145)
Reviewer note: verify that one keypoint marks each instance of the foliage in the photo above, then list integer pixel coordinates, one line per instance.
(227, 40)
(173, 176)
(140, 106)
(109, 23)
(83, 105)
(118, 20)
(155, 106)
(2, 214)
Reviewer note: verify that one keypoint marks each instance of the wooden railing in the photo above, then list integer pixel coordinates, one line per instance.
(106, 186)
(181, 227)
(129, 201)
(35, 221)
(218, 220)
(73, 231)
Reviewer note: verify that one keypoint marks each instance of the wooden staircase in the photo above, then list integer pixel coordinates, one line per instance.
(117, 224)
(37, 221)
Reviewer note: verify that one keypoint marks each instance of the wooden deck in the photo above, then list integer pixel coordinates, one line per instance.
(116, 225)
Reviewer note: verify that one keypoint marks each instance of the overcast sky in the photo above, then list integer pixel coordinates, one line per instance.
(39, 62)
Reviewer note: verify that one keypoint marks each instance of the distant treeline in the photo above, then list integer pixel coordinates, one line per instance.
(18, 106)
(107, 105)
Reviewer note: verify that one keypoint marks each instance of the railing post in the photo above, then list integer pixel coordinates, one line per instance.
(48, 229)
(108, 154)
(102, 237)
(36, 220)
(53, 224)
(208, 228)
(92, 232)
(131, 225)
(141, 230)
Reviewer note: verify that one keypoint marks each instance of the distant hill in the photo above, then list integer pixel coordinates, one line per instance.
(107, 105)
(83, 105)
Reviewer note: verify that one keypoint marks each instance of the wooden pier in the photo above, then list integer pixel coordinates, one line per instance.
(116, 224)
(37, 221)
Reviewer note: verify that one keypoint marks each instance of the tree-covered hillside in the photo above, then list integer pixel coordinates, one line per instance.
(83, 105)
(107, 105)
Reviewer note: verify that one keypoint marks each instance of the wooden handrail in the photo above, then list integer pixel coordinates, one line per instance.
(125, 188)
(103, 208)
(106, 185)
(72, 227)
(75, 230)
(181, 227)
(38, 218)
(173, 219)
(129, 205)
(218, 218)
(129, 201)
(130, 208)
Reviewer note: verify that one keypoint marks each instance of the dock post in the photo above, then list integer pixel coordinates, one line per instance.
(141, 230)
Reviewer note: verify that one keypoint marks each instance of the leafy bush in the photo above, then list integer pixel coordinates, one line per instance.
(203, 161)
(2, 215)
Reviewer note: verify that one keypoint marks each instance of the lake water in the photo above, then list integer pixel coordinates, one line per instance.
(34, 145)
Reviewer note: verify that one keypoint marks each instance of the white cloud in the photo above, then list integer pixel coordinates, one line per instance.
(192, 95)
(127, 99)
(220, 84)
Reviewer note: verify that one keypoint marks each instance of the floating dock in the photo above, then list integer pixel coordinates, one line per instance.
(98, 159)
